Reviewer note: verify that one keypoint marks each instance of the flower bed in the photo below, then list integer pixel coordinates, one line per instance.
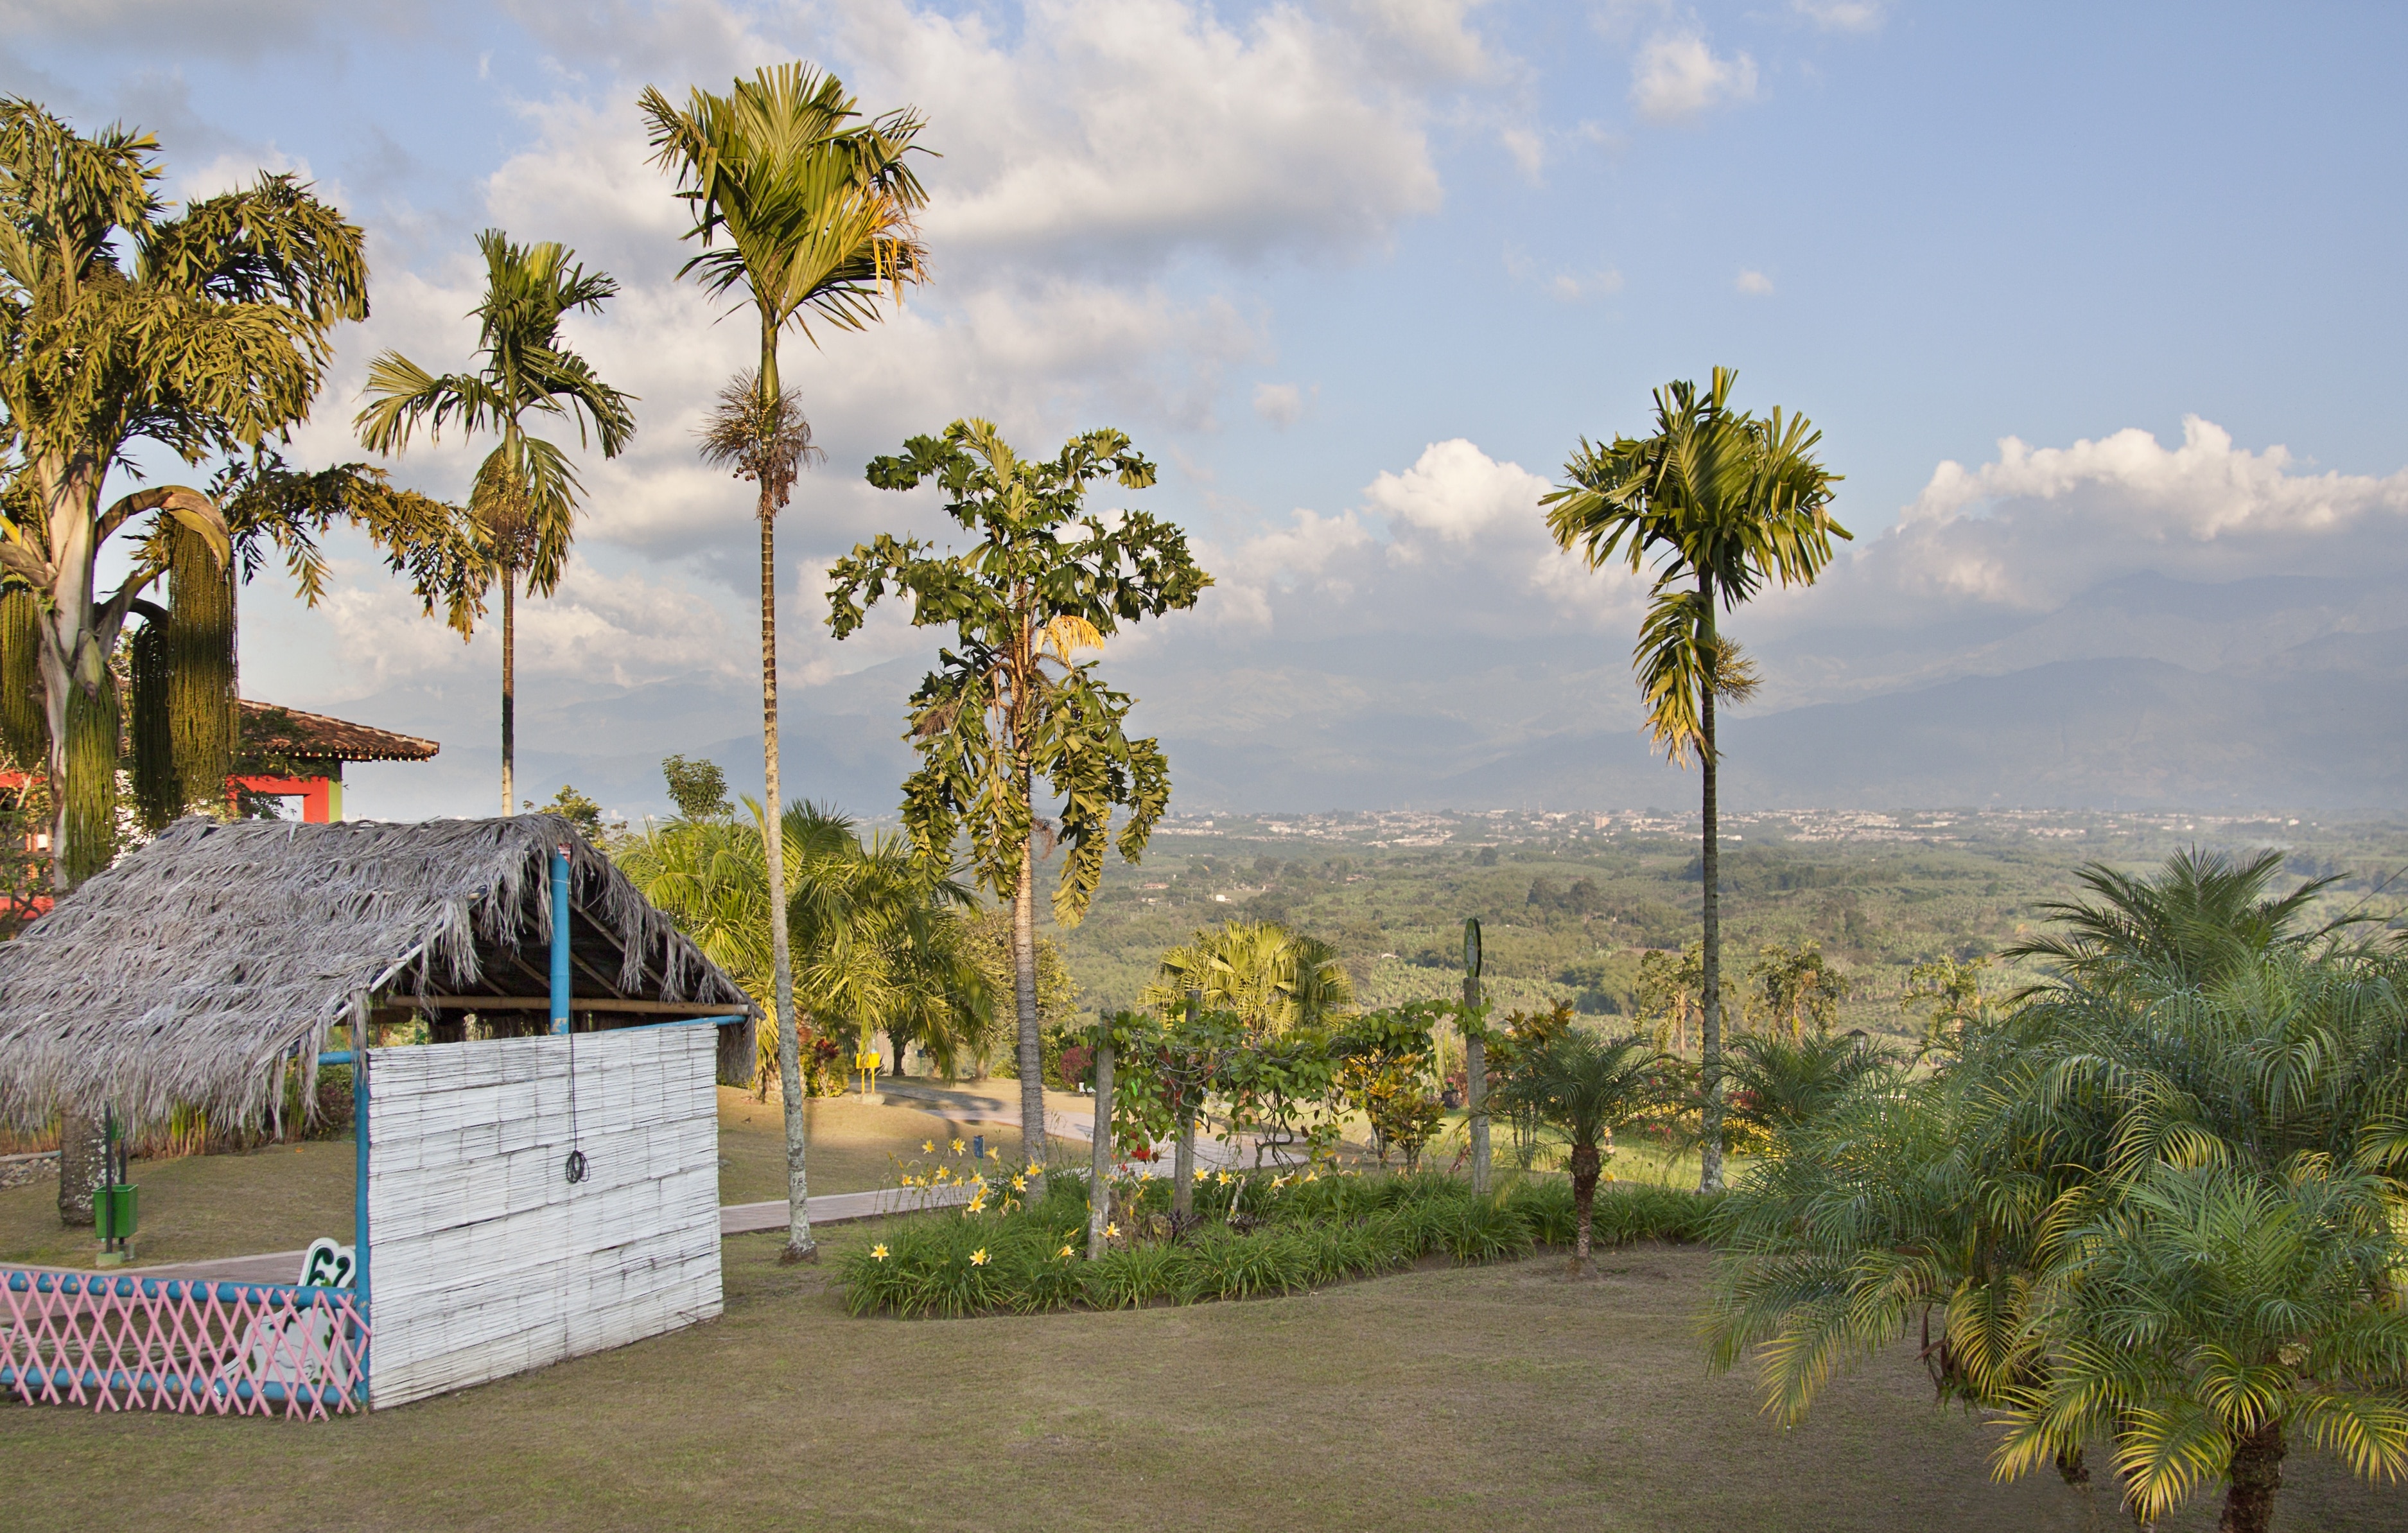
(1250, 1234)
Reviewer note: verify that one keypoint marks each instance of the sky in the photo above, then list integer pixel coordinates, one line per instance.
(2075, 294)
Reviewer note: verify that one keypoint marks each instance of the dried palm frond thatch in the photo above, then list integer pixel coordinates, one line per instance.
(186, 973)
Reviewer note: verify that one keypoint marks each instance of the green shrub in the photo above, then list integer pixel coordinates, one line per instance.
(1483, 1230)
(1300, 1233)
(1129, 1276)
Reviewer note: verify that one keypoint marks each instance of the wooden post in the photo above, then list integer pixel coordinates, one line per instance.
(1099, 1158)
(1475, 1060)
(362, 1005)
(1182, 1157)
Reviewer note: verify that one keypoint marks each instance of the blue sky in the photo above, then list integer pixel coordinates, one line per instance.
(1360, 275)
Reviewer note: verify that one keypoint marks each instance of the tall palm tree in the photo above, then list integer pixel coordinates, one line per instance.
(806, 209)
(523, 504)
(1720, 502)
(1582, 1086)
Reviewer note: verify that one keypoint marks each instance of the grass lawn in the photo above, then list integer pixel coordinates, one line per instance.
(205, 1207)
(1447, 1399)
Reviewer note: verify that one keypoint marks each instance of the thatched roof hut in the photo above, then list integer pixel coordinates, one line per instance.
(192, 969)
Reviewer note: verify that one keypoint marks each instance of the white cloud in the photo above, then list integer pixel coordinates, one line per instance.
(1571, 287)
(1527, 151)
(2039, 525)
(1843, 15)
(1119, 132)
(1455, 490)
(1753, 283)
(1280, 405)
(1435, 34)
(1675, 76)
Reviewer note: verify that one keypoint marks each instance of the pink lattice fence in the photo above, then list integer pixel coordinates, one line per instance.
(121, 1343)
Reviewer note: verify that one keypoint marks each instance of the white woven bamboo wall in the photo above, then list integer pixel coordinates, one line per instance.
(484, 1260)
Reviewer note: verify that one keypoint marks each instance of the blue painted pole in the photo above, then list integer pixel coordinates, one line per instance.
(560, 942)
(360, 1183)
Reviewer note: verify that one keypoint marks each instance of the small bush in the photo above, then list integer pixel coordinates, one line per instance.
(1127, 1277)
(1483, 1229)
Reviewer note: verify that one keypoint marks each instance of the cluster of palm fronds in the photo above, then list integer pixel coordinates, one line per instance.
(880, 934)
(2161, 1204)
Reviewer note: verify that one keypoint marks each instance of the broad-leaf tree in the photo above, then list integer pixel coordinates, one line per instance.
(1010, 705)
(1719, 503)
(805, 207)
(523, 505)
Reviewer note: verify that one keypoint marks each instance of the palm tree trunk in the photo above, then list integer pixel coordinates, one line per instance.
(1586, 1165)
(1031, 1054)
(799, 1245)
(1475, 1091)
(1710, 1032)
(509, 687)
(2257, 1475)
(84, 1163)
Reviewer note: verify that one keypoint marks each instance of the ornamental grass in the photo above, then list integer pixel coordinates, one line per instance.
(1253, 1235)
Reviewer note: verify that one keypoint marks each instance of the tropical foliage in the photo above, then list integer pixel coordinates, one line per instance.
(1582, 1086)
(205, 332)
(2159, 1203)
(523, 505)
(1720, 503)
(880, 932)
(1010, 705)
(804, 209)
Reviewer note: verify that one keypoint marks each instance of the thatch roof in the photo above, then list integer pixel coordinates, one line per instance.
(188, 970)
(314, 737)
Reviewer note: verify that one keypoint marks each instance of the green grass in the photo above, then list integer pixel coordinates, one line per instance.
(1489, 1397)
(203, 1208)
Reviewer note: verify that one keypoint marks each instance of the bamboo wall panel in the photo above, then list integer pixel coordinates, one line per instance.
(484, 1259)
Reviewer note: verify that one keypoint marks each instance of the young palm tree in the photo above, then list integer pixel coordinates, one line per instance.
(806, 209)
(1582, 1088)
(523, 503)
(2212, 1318)
(1720, 502)
(1778, 1085)
(880, 940)
(1272, 978)
(2160, 1202)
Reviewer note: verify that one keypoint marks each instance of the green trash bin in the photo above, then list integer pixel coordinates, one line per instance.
(114, 1209)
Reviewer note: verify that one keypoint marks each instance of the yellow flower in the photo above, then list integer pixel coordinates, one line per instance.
(1064, 1251)
(1222, 1177)
(959, 1147)
(1020, 1182)
(943, 1173)
(978, 1204)
(1111, 1232)
(928, 1147)
(878, 1251)
(977, 1257)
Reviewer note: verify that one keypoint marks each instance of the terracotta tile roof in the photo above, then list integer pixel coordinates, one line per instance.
(313, 737)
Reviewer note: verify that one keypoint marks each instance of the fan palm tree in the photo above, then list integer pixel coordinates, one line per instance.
(1582, 1088)
(806, 209)
(1720, 502)
(1274, 980)
(522, 506)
